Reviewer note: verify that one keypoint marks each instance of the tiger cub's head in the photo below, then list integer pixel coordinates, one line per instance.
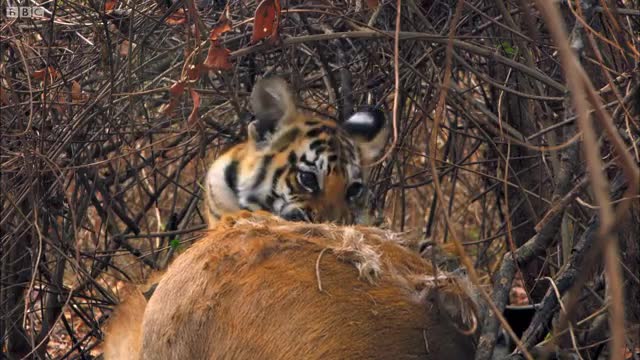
(295, 165)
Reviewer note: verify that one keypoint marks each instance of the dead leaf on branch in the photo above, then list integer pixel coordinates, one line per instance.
(266, 22)
(222, 26)
(175, 93)
(47, 74)
(178, 17)
(109, 5)
(176, 89)
(218, 57)
(194, 116)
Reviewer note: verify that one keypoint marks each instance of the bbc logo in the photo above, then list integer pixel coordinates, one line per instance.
(25, 11)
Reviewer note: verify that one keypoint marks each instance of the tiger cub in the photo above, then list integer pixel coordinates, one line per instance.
(295, 165)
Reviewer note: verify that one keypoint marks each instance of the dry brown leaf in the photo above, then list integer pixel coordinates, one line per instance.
(76, 91)
(217, 57)
(176, 90)
(48, 73)
(267, 20)
(110, 5)
(167, 109)
(177, 18)
(222, 26)
(194, 116)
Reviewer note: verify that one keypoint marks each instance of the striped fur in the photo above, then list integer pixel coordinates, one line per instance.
(294, 165)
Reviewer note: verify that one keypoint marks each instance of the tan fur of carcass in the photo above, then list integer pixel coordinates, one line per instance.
(258, 287)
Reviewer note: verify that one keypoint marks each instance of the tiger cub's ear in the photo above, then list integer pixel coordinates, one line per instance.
(369, 131)
(273, 106)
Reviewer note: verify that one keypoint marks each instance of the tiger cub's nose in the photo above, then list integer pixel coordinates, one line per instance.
(296, 215)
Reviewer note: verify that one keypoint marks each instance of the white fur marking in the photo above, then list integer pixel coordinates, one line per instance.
(363, 118)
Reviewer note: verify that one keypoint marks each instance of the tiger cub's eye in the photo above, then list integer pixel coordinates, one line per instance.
(308, 180)
(354, 191)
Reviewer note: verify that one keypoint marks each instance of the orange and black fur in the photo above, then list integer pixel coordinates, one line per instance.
(294, 165)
